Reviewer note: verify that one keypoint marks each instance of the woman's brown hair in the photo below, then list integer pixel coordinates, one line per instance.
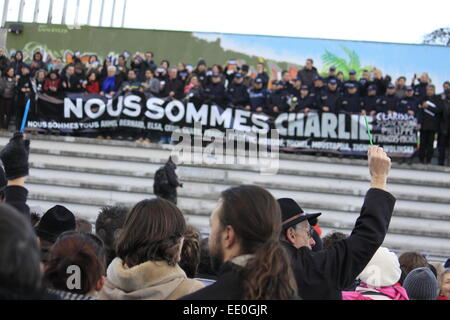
(79, 249)
(152, 232)
(255, 216)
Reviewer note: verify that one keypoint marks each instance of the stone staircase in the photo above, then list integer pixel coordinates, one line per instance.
(85, 174)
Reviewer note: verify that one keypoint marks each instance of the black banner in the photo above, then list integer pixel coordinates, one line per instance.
(135, 114)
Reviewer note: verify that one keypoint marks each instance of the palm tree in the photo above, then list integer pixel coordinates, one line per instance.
(330, 59)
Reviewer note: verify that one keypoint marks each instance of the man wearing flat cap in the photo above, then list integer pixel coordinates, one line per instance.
(324, 274)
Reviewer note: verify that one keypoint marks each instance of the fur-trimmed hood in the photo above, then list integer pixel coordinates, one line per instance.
(152, 280)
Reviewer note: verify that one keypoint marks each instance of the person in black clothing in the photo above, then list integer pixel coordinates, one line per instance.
(389, 102)
(25, 93)
(258, 97)
(318, 89)
(148, 61)
(70, 81)
(329, 98)
(331, 74)
(364, 83)
(305, 102)
(214, 92)
(324, 274)
(379, 81)
(295, 90)
(351, 102)
(262, 74)
(409, 103)
(4, 61)
(278, 100)
(174, 87)
(38, 63)
(352, 80)
(371, 102)
(244, 247)
(237, 92)
(286, 81)
(200, 72)
(140, 67)
(122, 69)
(444, 131)
(308, 73)
(166, 182)
(420, 88)
(430, 110)
(17, 63)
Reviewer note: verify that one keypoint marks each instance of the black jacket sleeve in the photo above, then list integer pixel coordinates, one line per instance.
(16, 196)
(324, 274)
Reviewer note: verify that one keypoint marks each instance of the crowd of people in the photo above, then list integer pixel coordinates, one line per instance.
(232, 86)
(259, 248)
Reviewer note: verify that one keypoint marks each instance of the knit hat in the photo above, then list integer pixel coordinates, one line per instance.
(54, 222)
(421, 284)
(383, 270)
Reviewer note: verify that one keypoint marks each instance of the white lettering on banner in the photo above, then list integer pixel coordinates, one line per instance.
(119, 107)
(279, 123)
(312, 126)
(169, 111)
(296, 124)
(223, 119)
(329, 125)
(132, 107)
(192, 115)
(155, 110)
(89, 110)
(70, 107)
(342, 134)
(260, 123)
(240, 118)
(355, 119)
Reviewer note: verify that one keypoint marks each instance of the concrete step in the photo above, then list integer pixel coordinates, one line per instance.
(210, 187)
(334, 168)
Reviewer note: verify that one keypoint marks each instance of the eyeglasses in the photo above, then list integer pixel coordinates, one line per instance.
(309, 231)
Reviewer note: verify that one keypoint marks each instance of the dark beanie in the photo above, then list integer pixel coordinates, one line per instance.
(421, 284)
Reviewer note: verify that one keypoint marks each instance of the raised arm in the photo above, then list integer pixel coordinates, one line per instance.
(346, 260)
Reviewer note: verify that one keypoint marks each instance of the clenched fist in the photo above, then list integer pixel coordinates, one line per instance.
(379, 166)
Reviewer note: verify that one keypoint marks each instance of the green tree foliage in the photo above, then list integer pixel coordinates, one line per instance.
(439, 36)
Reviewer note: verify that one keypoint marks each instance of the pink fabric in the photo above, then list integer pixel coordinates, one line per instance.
(394, 293)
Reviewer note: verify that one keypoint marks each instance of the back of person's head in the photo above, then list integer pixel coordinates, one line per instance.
(190, 253)
(20, 271)
(153, 231)
(439, 267)
(421, 284)
(412, 260)
(332, 238)
(82, 225)
(72, 252)
(108, 225)
(255, 216)
(383, 270)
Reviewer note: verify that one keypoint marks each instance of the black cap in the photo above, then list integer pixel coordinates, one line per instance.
(238, 75)
(201, 62)
(409, 88)
(332, 81)
(372, 88)
(332, 68)
(390, 86)
(54, 222)
(350, 85)
(304, 87)
(216, 75)
(258, 80)
(352, 72)
(292, 214)
(317, 78)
